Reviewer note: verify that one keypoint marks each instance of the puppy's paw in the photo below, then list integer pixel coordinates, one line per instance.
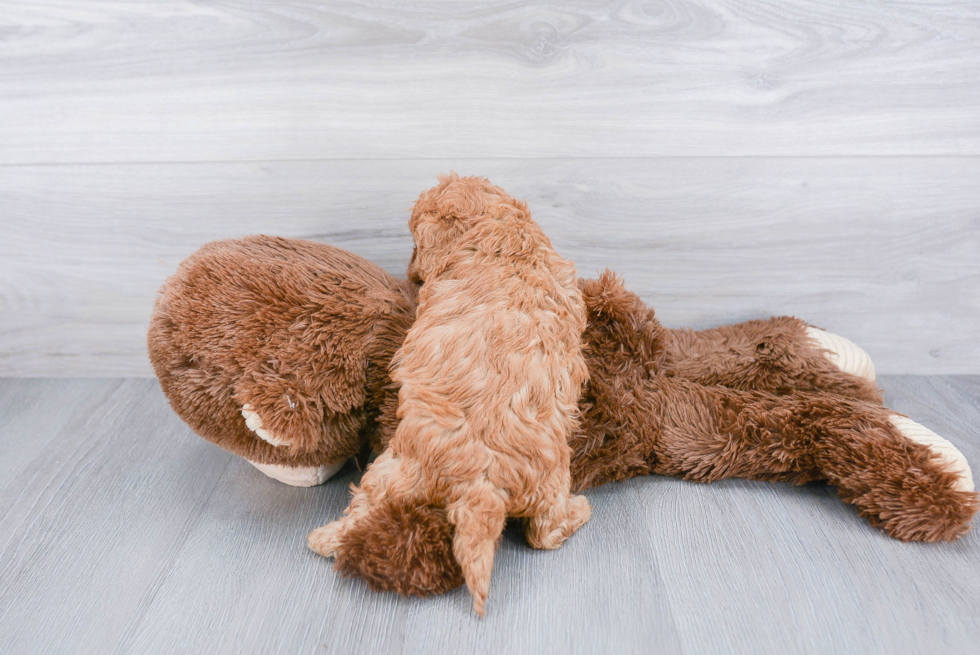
(950, 458)
(549, 531)
(580, 511)
(300, 476)
(254, 423)
(326, 540)
(844, 353)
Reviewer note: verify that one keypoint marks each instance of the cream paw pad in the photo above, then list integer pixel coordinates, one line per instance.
(254, 423)
(300, 476)
(846, 354)
(952, 459)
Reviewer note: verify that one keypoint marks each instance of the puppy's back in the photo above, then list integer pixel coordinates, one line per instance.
(491, 370)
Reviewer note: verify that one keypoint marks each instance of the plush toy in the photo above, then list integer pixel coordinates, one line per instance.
(277, 350)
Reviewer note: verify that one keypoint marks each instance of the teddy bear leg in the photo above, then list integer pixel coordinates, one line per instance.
(550, 529)
(712, 433)
(902, 477)
(948, 455)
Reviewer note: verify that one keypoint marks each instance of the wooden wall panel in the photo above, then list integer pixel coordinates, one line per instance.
(883, 250)
(732, 159)
(190, 81)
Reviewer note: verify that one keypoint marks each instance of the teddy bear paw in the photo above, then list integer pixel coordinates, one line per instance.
(299, 476)
(844, 353)
(951, 459)
(254, 423)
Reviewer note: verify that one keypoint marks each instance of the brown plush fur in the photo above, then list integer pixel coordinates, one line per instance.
(768, 355)
(414, 541)
(303, 332)
(738, 401)
(489, 377)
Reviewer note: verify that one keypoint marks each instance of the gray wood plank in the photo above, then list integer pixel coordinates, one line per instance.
(186, 81)
(132, 535)
(30, 423)
(245, 581)
(882, 250)
(89, 528)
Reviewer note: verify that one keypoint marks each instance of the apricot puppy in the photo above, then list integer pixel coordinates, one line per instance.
(489, 375)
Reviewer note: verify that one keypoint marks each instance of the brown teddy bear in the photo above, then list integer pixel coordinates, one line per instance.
(277, 350)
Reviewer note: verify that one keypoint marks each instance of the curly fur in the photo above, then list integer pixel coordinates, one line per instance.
(489, 378)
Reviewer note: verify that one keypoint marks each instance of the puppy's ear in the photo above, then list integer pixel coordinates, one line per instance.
(425, 224)
(435, 235)
(442, 215)
(517, 233)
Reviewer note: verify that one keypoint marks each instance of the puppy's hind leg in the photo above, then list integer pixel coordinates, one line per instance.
(550, 529)
(479, 518)
(326, 540)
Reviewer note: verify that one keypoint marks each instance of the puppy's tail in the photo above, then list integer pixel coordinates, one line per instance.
(479, 518)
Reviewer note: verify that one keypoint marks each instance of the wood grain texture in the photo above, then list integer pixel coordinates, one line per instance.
(90, 524)
(881, 250)
(110, 81)
(31, 422)
(122, 532)
(732, 159)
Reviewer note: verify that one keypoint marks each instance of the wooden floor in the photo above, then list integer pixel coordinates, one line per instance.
(122, 532)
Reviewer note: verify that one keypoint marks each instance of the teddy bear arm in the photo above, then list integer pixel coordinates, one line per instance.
(779, 355)
(299, 413)
(201, 390)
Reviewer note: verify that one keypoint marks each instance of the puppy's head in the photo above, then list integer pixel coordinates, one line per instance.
(444, 214)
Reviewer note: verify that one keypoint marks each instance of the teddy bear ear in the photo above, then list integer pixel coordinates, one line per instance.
(606, 298)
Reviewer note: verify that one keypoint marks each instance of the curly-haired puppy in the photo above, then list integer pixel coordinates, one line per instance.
(489, 375)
